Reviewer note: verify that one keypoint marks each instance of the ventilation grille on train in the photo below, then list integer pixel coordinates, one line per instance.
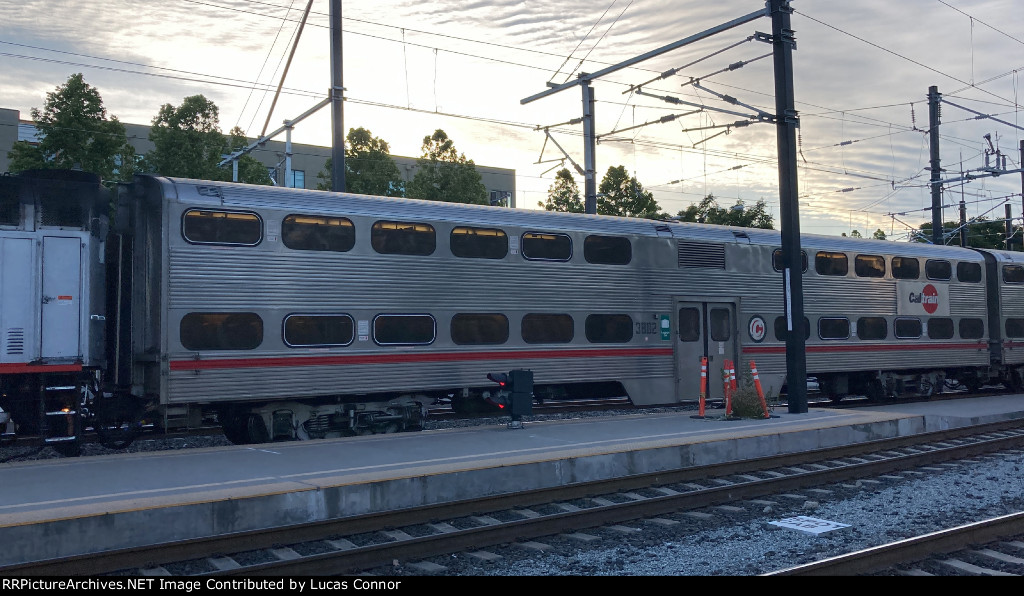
(15, 343)
(700, 254)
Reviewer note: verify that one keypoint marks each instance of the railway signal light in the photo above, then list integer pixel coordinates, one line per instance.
(515, 392)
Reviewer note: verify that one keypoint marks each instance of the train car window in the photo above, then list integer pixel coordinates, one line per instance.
(547, 329)
(479, 329)
(546, 247)
(906, 268)
(938, 269)
(317, 330)
(404, 330)
(221, 331)
(607, 250)
(972, 329)
(403, 238)
(782, 332)
(906, 328)
(831, 263)
(1013, 274)
(609, 329)
(968, 272)
(940, 328)
(478, 243)
(200, 226)
(869, 266)
(721, 330)
(872, 328)
(833, 328)
(1014, 327)
(777, 259)
(310, 232)
(689, 324)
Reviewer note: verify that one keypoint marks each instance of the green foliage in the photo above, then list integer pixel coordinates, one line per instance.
(708, 211)
(745, 401)
(564, 194)
(443, 174)
(620, 194)
(878, 235)
(188, 141)
(250, 170)
(980, 234)
(76, 134)
(369, 169)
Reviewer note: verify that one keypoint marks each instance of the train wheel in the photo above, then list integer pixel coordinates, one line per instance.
(256, 429)
(234, 428)
(1013, 381)
(116, 421)
(875, 391)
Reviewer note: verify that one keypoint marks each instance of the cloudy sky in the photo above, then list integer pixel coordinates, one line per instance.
(862, 73)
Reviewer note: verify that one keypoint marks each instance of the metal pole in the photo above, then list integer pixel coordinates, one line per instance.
(1022, 190)
(1009, 226)
(787, 121)
(963, 222)
(934, 114)
(589, 148)
(337, 110)
(288, 182)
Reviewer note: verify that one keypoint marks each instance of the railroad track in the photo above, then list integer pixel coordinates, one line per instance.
(367, 542)
(971, 549)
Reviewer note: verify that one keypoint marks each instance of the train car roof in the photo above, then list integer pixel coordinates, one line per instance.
(247, 196)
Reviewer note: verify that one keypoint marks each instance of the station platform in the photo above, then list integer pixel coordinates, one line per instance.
(63, 507)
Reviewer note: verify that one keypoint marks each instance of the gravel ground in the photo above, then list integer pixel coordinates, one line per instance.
(747, 544)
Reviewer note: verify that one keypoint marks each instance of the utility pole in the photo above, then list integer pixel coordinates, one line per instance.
(934, 114)
(787, 121)
(963, 223)
(589, 148)
(1009, 226)
(337, 107)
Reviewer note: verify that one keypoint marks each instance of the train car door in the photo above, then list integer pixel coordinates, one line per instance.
(62, 297)
(703, 329)
(17, 316)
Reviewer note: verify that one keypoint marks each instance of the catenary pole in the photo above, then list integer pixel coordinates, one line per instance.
(787, 122)
(337, 107)
(934, 115)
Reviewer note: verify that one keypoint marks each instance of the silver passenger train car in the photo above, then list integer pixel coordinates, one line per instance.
(294, 314)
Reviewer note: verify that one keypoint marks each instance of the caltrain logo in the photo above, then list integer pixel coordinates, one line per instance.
(928, 298)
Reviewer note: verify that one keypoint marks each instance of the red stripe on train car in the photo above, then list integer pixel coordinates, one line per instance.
(411, 357)
(864, 348)
(25, 367)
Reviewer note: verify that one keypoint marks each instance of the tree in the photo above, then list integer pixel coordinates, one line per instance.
(188, 141)
(981, 233)
(739, 215)
(369, 169)
(620, 194)
(250, 170)
(76, 134)
(564, 194)
(853, 234)
(879, 234)
(443, 174)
